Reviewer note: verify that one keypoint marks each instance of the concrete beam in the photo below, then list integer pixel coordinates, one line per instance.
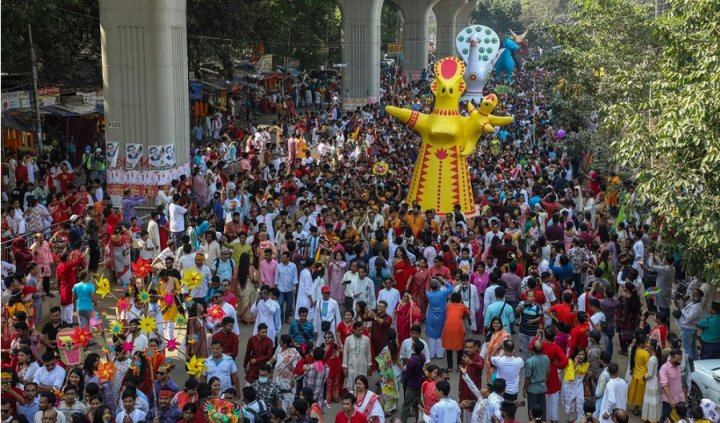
(462, 18)
(361, 50)
(145, 74)
(415, 32)
(445, 15)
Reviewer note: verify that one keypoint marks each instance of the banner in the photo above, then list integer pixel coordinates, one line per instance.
(112, 154)
(93, 97)
(142, 182)
(133, 155)
(265, 63)
(16, 100)
(161, 156)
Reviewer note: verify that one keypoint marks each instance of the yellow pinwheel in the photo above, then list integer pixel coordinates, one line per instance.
(192, 278)
(196, 366)
(116, 328)
(144, 296)
(180, 320)
(147, 324)
(103, 286)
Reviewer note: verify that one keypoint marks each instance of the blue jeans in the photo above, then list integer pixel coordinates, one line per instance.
(666, 410)
(286, 298)
(687, 336)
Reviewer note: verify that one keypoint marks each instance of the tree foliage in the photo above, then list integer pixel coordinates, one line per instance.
(391, 23)
(674, 133)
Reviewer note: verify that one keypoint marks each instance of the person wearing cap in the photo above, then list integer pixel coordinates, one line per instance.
(327, 315)
(166, 411)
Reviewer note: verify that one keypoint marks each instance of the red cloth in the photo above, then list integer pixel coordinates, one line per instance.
(407, 315)
(379, 333)
(474, 370)
(558, 361)
(357, 417)
(259, 349)
(229, 341)
(67, 279)
(403, 271)
(563, 312)
(579, 337)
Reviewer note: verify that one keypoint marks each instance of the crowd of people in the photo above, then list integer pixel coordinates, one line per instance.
(297, 238)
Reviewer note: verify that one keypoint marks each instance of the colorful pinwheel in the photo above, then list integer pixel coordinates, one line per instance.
(122, 304)
(81, 336)
(127, 346)
(216, 313)
(103, 286)
(148, 324)
(196, 366)
(144, 296)
(171, 344)
(141, 268)
(105, 371)
(222, 411)
(180, 320)
(192, 278)
(168, 300)
(116, 328)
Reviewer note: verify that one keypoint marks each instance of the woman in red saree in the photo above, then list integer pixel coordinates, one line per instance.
(333, 359)
(418, 284)
(407, 314)
(403, 270)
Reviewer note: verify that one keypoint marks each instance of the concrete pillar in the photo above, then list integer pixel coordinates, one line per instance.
(445, 16)
(415, 32)
(361, 50)
(145, 75)
(462, 18)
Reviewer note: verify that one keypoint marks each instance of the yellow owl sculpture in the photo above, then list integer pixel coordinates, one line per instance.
(441, 178)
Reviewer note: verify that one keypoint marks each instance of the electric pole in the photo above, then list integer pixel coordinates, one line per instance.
(38, 123)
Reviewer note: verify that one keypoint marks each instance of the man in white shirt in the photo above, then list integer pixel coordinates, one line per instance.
(50, 376)
(390, 295)
(267, 218)
(446, 410)
(508, 367)
(349, 278)
(326, 310)
(471, 299)
(47, 400)
(615, 395)
(200, 292)
(177, 219)
(363, 289)
(223, 367)
(129, 410)
(406, 347)
(138, 339)
(265, 308)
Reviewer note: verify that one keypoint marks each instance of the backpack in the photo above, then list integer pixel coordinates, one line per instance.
(259, 416)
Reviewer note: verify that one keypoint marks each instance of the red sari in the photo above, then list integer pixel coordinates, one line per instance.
(333, 359)
(418, 287)
(406, 316)
(402, 270)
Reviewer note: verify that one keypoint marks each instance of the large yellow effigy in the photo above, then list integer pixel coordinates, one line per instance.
(441, 178)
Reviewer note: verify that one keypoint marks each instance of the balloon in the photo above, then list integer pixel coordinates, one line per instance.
(561, 133)
(441, 179)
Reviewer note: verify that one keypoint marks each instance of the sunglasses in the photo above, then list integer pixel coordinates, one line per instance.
(161, 373)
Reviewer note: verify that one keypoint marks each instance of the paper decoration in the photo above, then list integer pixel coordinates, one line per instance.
(222, 411)
(161, 156)
(81, 336)
(215, 313)
(142, 268)
(196, 366)
(116, 328)
(191, 278)
(106, 371)
(144, 296)
(148, 324)
(103, 286)
(122, 304)
(113, 151)
(171, 344)
(133, 155)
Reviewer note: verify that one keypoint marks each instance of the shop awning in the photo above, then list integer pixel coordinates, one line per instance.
(9, 121)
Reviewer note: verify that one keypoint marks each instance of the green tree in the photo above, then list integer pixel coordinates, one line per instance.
(391, 23)
(673, 134)
(500, 15)
(66, 34)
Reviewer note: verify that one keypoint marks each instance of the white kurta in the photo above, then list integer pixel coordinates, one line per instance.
(305, 294)
(326, 311)
(615, 396)
(471, 299)
(356, 359)
(265, 312)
